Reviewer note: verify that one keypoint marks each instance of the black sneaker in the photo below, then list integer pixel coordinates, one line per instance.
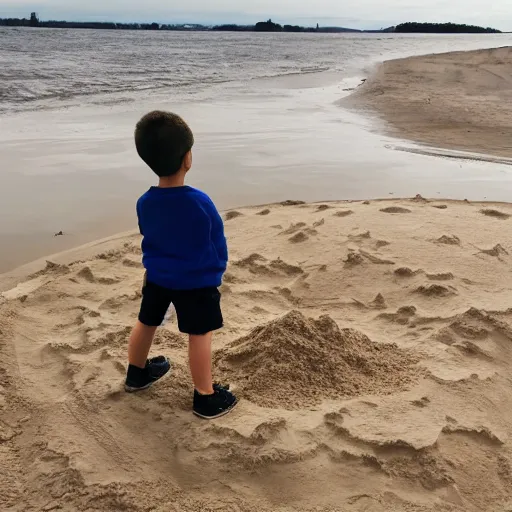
(138, 379)
(214, 406)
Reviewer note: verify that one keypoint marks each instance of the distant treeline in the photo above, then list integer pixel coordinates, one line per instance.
(262, 26)
(270, 26)
(104, 25)
(443, 28)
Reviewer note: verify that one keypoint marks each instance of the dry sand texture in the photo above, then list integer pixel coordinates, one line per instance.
(460, 100)
(370, 343)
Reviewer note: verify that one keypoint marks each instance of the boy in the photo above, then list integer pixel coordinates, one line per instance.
(185, 255)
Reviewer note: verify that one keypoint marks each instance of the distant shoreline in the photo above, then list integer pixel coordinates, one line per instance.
(262, 26)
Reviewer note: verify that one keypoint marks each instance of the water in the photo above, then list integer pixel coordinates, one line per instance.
(263, 108)
(45, 68)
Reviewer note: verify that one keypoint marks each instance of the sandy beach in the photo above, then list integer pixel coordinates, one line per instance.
(458, 100)
(369, 342)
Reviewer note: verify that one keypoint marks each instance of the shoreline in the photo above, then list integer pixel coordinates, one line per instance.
(349, 160)
(11, 278)
(457, 101)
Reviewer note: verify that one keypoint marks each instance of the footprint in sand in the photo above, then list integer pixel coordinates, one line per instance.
(343, 213)
(395, 209)
(495, 214)
(353, 258)
(294, 228)
(422, 402)
(264, 212)
(375, 259)
(360, 236)
(497, 251)
(127, 262)
(233, 215)
(319, 223)
(87, 274)
(440, 206)
(402, 317)
(323, 207)
(442, 276)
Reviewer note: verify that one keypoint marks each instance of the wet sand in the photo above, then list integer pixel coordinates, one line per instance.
(460, 100)
(268, 143)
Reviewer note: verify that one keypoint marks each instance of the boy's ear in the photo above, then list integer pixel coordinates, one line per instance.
(187, 161)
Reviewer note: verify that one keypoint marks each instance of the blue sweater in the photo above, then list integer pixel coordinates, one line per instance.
(183, 246)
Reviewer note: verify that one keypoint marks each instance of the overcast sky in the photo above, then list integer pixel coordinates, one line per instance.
(350, 13)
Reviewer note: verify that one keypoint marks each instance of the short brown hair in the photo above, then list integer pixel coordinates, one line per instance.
(162, 140)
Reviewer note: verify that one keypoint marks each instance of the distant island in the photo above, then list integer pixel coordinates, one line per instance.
(443, 28)
(262, 26)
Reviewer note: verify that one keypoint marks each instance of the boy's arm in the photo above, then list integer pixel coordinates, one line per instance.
(138, 219)
(217, 233)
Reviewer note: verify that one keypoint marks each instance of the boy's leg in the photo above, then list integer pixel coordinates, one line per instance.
(140, 344)
(200, 357)
(144, 372)
(199, 311)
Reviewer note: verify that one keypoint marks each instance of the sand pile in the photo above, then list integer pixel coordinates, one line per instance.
(294, 361)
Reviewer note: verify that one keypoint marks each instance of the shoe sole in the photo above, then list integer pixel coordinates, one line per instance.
(129, 389)
(223, 413)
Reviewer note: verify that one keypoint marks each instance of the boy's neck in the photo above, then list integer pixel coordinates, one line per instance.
(176, 180)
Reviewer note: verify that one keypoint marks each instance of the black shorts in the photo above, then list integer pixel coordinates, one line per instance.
(198, 311)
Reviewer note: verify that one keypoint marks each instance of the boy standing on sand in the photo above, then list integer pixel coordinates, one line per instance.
(185, 255)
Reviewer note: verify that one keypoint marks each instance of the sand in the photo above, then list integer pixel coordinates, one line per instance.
(370, 344)
(459, 100)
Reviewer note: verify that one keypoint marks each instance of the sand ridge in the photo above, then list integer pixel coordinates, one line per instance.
(458, 100)
(372, 358)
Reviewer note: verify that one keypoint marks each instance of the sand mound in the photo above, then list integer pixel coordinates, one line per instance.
(264, 212)
(406, 272)
(292, 202)
(295, 361)
(435, 290)
(343, 213)
(395, 209)
(448, 240)
(232, 215)
(299, 237)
